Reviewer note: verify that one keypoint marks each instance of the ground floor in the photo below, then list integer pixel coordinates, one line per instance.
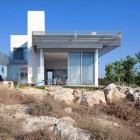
(59, 68)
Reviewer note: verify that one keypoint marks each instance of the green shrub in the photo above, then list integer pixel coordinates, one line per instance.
(133, 86)
(24, 85)
(83, 87)
(40, 87)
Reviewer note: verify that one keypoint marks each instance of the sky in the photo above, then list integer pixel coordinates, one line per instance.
(95, 15)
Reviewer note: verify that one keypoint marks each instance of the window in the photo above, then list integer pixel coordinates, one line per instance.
(20, 53)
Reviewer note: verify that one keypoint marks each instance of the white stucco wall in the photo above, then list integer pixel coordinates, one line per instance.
(18, 41)
(35, 22)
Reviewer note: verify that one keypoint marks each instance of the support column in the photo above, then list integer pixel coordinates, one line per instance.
(96, 67)
(42, 65)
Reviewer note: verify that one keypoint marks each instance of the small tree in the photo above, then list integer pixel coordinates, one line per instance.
(129, 68)
(109, 72)
(119, 71)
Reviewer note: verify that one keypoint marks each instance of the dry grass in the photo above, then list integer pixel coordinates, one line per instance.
(124, 110)
(49, 107)
(85, 119)
(9, 97)
(40, 135)
(9, 129)
(125, 113)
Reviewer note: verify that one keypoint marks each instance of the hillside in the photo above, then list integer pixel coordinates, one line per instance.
(63, 113)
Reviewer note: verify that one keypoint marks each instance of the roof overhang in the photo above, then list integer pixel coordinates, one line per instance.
(76, 41)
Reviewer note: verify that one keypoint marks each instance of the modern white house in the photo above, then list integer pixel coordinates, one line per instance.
(67, 57)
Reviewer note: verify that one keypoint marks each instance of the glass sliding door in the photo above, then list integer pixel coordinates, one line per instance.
(74, 69)
(87, 68)
(80, 68)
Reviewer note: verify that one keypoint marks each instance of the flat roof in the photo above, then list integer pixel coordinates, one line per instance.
(76, 40)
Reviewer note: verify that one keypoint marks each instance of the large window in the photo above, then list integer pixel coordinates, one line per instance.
(87, 68)
(74, 64)
(80, 69)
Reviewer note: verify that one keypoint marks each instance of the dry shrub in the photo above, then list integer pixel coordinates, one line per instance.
(90, 111)
(49, 107)
(123, 110)
(85, 119)
(9, 129)
(40, 135)
(10, 97)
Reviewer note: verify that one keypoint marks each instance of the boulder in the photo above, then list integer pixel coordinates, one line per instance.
(124, 89)
(90, 98)
(8, 84)
(136, 96)
(63, 126)
(112, 94)
(65, 94)
(38, 123)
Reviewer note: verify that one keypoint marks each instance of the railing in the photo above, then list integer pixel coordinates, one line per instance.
(68, 32)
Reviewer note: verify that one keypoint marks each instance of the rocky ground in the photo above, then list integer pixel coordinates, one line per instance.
(58, 113)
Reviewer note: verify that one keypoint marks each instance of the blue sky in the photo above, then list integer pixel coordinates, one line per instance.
(96, 15)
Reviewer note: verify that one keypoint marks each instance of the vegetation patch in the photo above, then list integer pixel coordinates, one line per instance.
(8, 97)
(124, 71)
(90, 88)
(40, 135)
(41, 87)
(123, 110)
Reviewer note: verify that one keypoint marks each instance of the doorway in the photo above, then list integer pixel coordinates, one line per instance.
(49, 77)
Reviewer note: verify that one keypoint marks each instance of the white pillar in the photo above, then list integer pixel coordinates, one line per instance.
(96, 67)
(41, 64)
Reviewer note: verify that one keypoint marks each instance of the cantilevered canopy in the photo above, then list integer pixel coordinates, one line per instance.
(76, 41)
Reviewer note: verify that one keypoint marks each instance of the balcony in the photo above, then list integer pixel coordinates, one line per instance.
(70, 40)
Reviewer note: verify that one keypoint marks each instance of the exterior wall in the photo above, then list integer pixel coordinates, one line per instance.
(36, 22)
(16, 42)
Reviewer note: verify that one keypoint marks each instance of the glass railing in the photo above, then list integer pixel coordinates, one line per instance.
(69, 32)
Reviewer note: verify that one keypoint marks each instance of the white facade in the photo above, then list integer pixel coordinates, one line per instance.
(53, 52)
(36, 22)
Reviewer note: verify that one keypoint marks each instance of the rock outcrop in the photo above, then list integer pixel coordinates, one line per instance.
(90, 98)
(112, 94)
(8, 84)
(64, 127)
(64, 94)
